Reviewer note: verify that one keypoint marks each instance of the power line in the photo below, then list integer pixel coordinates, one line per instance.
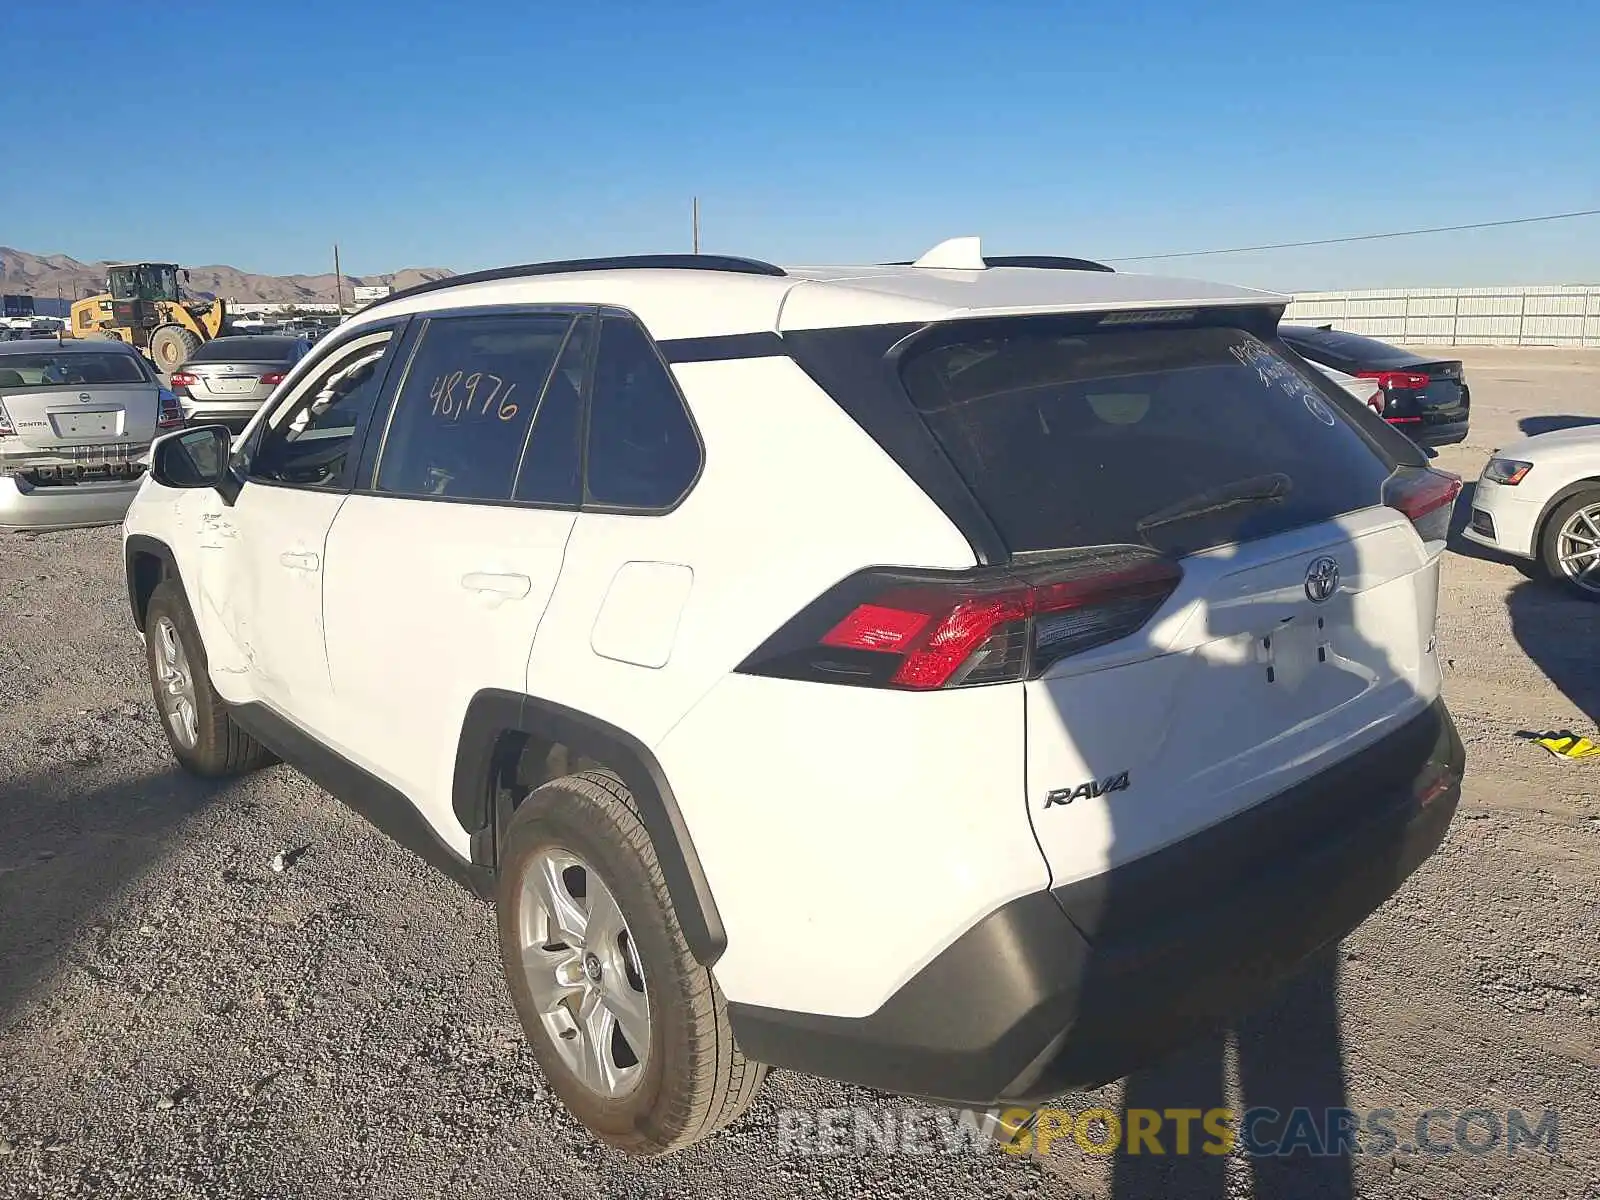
(1363, 237)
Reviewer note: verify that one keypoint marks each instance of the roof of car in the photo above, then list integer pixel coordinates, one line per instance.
(687, 300)
(48, 342)
(279, 340)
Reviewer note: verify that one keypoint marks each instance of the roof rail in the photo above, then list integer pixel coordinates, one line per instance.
(1047, 262)
(621, 262)
(1040, 262)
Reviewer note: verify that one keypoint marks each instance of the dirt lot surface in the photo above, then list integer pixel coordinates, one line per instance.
(179, 1019)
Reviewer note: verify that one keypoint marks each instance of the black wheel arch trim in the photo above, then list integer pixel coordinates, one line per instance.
(136, 546)
(494, 712)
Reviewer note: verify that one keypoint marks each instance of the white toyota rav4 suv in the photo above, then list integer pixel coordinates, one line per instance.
(968, 678)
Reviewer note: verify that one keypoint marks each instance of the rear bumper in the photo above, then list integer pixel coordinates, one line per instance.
(1436, 433)
(234, 415)
(1085, 984)
(74, 506)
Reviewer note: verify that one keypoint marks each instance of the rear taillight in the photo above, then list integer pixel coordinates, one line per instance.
(1436, 780)
(169, 413)
(183, 379)
(924, 630)
(1427, 497)
(1390, 381)
(272, 378)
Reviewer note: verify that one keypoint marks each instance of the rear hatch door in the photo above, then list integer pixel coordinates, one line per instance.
(1302, 624)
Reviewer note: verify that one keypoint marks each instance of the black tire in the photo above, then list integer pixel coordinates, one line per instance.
(694, 1078)
(220, 747)
(1550, 544)
(171, 346)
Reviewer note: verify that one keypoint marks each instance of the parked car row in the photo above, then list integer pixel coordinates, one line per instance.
(310, 328)
(1536, 500)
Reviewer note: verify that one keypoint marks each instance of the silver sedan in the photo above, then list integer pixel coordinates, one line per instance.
(225, 381)
(76, 417)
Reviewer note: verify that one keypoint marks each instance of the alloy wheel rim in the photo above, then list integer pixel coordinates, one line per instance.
(1578, 548)
(583, 971)
(176, 682)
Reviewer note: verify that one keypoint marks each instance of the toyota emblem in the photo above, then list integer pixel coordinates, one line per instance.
(85, 396)
(1322, 580)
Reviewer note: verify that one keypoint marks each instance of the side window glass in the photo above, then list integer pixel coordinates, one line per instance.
(465, 408)
(643, 451)
(307, 441)
(552, 465)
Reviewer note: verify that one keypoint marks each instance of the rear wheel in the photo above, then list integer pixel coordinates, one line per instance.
(1571, 544)
(204, 739)
(631, 1032)
(171, 346)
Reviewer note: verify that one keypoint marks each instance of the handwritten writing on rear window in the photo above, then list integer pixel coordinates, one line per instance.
(457, 396)
(1271, 369)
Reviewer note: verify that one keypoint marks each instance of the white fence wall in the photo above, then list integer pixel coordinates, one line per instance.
(1556, 315)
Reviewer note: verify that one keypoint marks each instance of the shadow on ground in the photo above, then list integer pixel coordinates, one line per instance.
(1560, 633)
(71, 843)
(1289, 1056)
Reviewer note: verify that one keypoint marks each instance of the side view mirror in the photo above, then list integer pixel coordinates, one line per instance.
(194, 458)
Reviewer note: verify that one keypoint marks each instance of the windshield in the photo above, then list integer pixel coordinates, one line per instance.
(1178, 439)
(148, 282)
(68, 370)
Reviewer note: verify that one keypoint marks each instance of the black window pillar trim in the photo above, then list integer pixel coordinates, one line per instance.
(478, 803)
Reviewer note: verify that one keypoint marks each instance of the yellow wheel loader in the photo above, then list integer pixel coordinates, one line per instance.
(143, 305)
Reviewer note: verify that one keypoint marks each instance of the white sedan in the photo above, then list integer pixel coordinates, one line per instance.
(1540, 499)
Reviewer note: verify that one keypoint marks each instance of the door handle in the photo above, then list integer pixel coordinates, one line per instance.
(514, 587)
(298, 561)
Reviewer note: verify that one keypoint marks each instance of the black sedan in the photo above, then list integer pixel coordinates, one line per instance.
(1426, 398)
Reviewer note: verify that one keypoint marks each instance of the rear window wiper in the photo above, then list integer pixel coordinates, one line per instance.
(1259, 489)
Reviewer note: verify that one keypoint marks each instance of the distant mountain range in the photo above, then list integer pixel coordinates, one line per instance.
(41, 275)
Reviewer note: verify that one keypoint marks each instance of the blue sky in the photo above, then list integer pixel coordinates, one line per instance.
(481, 132)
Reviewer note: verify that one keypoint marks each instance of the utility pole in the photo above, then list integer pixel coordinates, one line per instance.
(338, 280)
(695, 210)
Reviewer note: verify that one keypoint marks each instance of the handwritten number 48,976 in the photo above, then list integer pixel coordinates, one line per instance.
(456, 395)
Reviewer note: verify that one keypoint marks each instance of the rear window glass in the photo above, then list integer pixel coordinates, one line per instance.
(1178, 439)
(69, 369)
(1350, 347)
(245, 349)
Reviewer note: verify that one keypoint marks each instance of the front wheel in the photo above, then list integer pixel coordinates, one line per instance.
(1570, 548)
(631, 1032)
(203, 737)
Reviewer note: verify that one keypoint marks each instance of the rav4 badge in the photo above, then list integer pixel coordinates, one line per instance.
(1092, 790)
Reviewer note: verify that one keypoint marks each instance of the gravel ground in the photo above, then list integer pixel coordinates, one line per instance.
(179, 1019)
